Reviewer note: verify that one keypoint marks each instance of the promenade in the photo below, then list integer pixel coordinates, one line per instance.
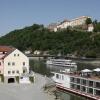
(25, 91)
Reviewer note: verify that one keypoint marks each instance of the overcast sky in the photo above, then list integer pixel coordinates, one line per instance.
(15, 14)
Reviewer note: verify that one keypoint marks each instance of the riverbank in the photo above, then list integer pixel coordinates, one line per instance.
(91, 62)
(26, 91)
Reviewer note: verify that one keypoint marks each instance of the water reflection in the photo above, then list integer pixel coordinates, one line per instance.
(68, 96)
(42, 68)
(39, 67)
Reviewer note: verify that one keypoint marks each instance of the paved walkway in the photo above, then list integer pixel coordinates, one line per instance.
(25, 91)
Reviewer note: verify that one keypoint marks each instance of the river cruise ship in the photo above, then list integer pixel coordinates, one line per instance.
(85, 83)
(61, 62)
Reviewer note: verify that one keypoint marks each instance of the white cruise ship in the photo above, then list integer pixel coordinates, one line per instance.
(61, 62)
(85, 83)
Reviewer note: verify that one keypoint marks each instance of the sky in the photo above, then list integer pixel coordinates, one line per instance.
(17, 14)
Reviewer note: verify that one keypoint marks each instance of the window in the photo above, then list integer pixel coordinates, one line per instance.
(14, 54)
(9, 72)
(13, 72)
(0, 71)
(57, 76)
(21, 77)
(8, 63)
(17, 72)
(18, 55)
(3, 52)
(62, 77)
(23, 63)
(13, 63)
(0, 63)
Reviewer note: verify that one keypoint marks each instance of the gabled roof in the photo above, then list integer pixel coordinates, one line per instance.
(7, 50)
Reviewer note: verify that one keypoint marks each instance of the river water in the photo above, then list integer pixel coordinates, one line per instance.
(42, 68)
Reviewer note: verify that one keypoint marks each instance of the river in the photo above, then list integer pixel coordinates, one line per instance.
(42, 68)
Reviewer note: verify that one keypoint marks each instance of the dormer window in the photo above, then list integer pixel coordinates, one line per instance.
(3, 52)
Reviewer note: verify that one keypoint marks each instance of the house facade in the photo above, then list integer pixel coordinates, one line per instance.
(13, 64)
(90, 27)
(63, 24)
(79, 21)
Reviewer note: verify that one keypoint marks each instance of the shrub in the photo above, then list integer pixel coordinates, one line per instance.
(31, 78)
(17, 79)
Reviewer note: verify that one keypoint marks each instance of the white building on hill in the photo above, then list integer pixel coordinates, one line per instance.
(66, 23)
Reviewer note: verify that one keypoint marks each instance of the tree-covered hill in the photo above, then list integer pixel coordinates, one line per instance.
(36, 37)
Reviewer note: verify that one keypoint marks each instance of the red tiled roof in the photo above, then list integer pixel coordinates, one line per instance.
(7, 49)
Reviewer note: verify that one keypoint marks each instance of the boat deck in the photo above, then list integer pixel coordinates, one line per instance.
(77, 92)
(78, 74)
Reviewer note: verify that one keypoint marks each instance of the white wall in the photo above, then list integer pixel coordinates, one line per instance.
(90, 29)
(18, 60)
(64, 80)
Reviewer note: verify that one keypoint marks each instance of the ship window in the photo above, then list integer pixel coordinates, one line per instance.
(57, 76)
(84, 82)
(83, 89)
(72, 79)
(78, 80)
(98, 92)
(97, 85)
(62, 77)
(90, 90)
(91, 83)
(78, 87)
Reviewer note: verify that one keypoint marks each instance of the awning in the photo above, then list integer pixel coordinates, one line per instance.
(96, 70)
(86, 71)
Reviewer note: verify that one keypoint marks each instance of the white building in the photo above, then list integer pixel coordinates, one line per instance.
(27, 52)
(79, 21)
(90, 28)
(14, 64)
(63, 24)
(37, 52)
(53, 27)
(66, 23)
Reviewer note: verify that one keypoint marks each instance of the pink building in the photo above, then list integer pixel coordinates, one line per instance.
(3, 52)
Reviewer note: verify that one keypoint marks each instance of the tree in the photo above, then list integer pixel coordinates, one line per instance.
(88, 21)
(97, 27)
(95, 22)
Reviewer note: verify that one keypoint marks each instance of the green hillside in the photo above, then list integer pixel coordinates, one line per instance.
(36, 37)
